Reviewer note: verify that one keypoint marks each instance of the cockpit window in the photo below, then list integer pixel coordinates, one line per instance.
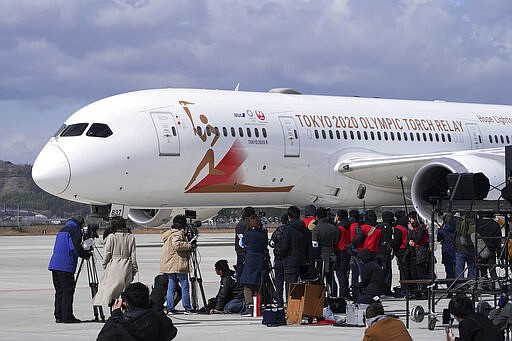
(99, 130)
(74, 129)
(57, 133)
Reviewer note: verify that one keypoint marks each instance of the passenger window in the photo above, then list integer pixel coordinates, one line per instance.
(358, 135)
(256, 132)
(430, 137)
(372, 135)
(248, 132)
(351, 135)
(330, 134)
(501, 138)
(399, 136)
(449, 138)
(74, 129)
(365, 134)
(225, 131)
(379, 137)
(338, 134)
(490, 139)
(345, 135)
(412, 136)
(443, 138)
(392, 135)
(264, 131)
(386, 135)
(233, 132)
(216, 131)
(240, 132)
(208, 131)
(101, 130)
(405, 136)
(199, 131)
(323, 134)
(316, 134)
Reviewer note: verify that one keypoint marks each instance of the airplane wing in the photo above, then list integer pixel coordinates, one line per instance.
(371, 168)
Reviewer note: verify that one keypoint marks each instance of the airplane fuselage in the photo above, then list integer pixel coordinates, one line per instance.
(184, 148)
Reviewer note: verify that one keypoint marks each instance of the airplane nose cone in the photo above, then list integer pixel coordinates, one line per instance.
(51, 170)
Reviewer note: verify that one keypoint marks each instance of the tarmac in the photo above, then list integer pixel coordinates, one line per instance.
(27, 296)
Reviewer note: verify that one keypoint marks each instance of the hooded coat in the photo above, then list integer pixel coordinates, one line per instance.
(119, 263)
(175, 257)
(386, 327)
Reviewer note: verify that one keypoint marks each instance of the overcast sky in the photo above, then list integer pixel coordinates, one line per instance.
(59, 55)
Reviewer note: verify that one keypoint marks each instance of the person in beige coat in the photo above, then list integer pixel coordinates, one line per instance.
(119, 263)
(175, 262)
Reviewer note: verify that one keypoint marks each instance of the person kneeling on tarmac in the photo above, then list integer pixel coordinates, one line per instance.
(133, 319)
(230, 298)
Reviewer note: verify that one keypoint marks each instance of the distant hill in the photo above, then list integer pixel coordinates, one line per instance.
(18, 191)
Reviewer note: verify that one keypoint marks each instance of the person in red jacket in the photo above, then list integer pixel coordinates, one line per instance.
(399, 249)
(342, 256)
(355, 239)
(372, 234)
(418, 239)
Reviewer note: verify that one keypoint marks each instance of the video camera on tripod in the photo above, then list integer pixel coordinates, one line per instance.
(192, 228)
(89, 234)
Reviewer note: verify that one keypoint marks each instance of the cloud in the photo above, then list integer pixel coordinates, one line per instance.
(74, 52)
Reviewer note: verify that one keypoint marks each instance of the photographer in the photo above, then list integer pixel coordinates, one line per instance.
(133, 318)
(472, 326)
(66, 250)
(119, 263)
(175, 262)
(230, 298)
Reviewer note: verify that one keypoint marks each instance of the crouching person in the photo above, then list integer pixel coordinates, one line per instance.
(230, 298)
(381, 327)
(133, 318)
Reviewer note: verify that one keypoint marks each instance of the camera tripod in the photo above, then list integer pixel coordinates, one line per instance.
(196, 280)
(92, 276)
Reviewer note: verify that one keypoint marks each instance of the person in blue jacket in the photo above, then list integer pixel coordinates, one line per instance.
(66, 250)
(446, 235)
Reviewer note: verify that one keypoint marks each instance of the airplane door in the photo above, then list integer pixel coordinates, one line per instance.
(166, 133)
(474, 136)
(291, 137)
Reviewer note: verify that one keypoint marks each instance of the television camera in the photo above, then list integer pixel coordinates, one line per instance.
(192, 228)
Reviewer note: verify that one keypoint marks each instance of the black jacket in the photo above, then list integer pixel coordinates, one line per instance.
(229, 289)
(239, 230)
(294, 245)
(136, 325)
(488, 227)
(327, 235)
(372, 278)
(477, 327)
(275, 242)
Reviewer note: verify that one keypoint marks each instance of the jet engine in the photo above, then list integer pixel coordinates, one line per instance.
(430, 180)
(150, 217)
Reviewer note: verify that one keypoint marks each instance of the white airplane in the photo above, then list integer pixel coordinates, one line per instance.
(150, 154)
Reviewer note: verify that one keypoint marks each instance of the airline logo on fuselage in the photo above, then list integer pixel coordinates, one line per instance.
(252, 114)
